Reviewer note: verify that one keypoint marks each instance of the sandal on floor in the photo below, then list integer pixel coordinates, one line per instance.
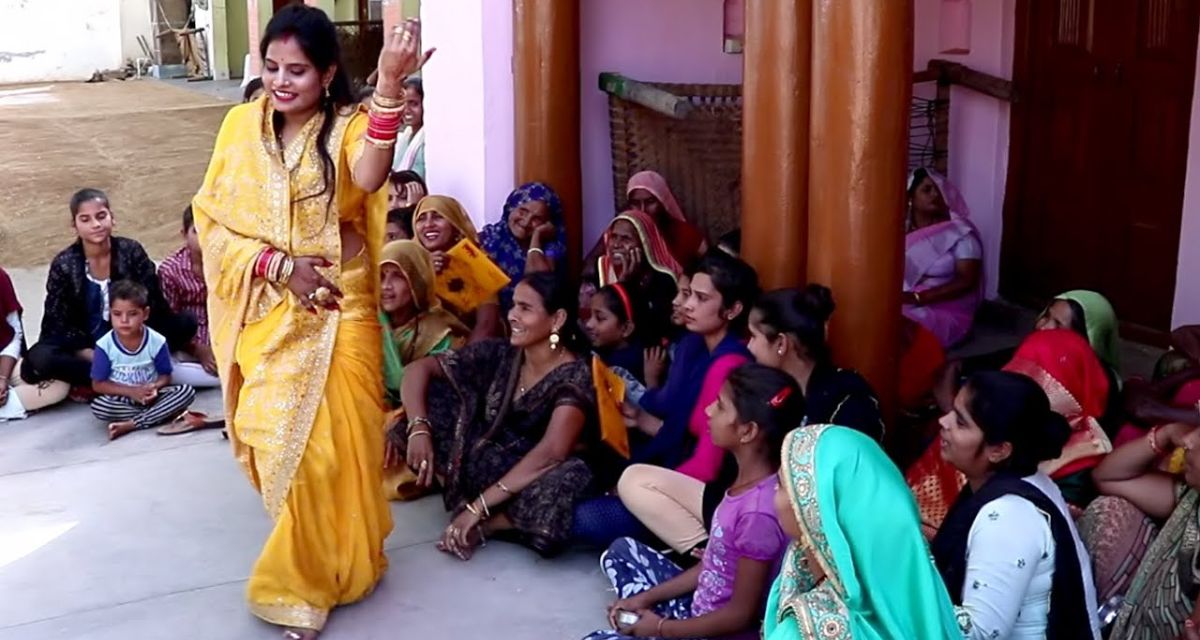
(189, 422)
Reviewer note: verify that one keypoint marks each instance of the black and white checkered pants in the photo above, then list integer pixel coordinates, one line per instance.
(171, 402)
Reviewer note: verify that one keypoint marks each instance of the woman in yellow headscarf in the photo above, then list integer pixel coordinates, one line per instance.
(291, 220)
(439, 223)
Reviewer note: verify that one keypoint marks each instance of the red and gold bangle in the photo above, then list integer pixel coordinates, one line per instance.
(260, 263)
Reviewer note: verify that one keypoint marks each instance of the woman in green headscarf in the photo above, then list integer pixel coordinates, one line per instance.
(858, 567)
(1089, 314)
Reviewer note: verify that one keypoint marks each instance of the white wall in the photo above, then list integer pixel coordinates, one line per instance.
(135, 21)
(44, 40)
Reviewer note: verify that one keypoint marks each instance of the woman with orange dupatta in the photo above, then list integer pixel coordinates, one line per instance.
(1067, 369)
(291, 220)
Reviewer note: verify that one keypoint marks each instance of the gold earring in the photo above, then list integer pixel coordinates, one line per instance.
(554, 340)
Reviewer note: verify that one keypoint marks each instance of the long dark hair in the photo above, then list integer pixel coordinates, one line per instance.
(799, 313)
(318, 39)
(769, 398)
(557, 295)
(1010, 407)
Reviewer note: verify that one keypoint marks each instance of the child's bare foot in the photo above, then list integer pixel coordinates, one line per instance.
(118, 429)
(300, 634)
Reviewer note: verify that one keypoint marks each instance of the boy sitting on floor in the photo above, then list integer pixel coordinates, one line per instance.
(131, 369)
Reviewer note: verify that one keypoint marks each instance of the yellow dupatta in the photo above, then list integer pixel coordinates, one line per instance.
(256, 196)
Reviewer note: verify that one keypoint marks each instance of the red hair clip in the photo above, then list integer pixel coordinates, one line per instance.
(783, 394)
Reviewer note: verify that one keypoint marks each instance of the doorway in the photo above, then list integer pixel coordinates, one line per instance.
(237, 34)
(1099, 153)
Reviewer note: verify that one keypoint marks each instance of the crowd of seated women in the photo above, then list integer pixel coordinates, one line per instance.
(699, 434)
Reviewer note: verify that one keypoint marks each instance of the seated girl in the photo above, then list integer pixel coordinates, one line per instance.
(77, 305)
(405, 189)
(1161, 601)
(857, 566)
(507, 427)
(1064, 365)
(943, 258)
(660, 355)
(1008, 550)
(637, 256)
(440, 223)
(787, 330)
(531, 236)
(723, 596)
(671, 419)
(414, 323)
(18, 398)
(613, 330)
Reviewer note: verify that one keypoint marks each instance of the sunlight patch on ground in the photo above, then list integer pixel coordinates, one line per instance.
(18, 541)
(27, 96)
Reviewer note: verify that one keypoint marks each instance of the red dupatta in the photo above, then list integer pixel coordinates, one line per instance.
(1068, 370)
(657, 255)
(8, 304)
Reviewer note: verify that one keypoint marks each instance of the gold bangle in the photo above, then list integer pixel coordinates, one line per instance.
(1153, 438)
(487, 513)
(386, 102)
(501, 486)
(414, 422)
(382, 110)
(380, 144)
(472, 509)
(419, 432)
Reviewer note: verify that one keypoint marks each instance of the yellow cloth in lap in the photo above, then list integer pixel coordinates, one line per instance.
(470, 278)
(610, 396)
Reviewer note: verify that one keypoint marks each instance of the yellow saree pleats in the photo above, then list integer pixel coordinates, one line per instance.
(327, 545)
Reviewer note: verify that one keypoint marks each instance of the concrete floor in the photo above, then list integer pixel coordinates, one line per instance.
(153, 537)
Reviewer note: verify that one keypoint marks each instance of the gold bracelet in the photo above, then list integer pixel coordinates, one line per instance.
(289, 267)
(472, 509)
(487, 513)
(501, 486)
(381, 144)
(382, 110)
(385, 102)
(419, 420)
(419, 432)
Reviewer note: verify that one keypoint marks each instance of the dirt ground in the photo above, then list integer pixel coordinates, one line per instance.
(145, 143)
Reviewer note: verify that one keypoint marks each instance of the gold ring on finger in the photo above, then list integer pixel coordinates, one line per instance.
(312, 296)
(322, 295)
(424, 465)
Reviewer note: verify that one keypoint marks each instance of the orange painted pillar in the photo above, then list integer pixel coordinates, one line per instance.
(546, 106)
(393, 14)
(861, 88)
(775, 90)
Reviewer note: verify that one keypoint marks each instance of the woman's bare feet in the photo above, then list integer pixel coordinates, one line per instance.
(300, 634)
(118, 429)
(475, 539)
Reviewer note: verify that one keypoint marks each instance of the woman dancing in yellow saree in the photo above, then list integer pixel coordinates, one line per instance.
(291, 220)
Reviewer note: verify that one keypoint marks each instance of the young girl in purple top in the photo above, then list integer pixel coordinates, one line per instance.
(724, 595)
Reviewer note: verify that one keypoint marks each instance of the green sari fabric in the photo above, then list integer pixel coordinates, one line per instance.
(860, 527)
(1101, 323)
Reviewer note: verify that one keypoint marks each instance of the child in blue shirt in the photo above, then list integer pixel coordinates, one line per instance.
(131, 369)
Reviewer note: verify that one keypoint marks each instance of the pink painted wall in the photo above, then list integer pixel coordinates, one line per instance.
(469, 103)
(655, 40)
(1187, 288)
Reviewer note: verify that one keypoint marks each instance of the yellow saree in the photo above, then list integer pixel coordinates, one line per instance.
(303, 392)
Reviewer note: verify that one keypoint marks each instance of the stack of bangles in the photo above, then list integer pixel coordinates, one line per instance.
(274, 266)
(383, 121)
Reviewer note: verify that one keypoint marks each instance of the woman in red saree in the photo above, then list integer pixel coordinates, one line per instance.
(1065, 367)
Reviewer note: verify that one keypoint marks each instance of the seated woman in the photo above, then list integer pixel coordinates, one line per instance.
(1008, 550)
(670, 420)
(636, 255)
(507, 427)
(414, 323)
(405, 189)
(649, 193)
(943, 258)
(857, 566)
(530, 237)
(613, 330)
(723, 595)
(1064, 365)
(787, 331)
(18, 398)
(76, 313)
(440, 223)
(1161, 601)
